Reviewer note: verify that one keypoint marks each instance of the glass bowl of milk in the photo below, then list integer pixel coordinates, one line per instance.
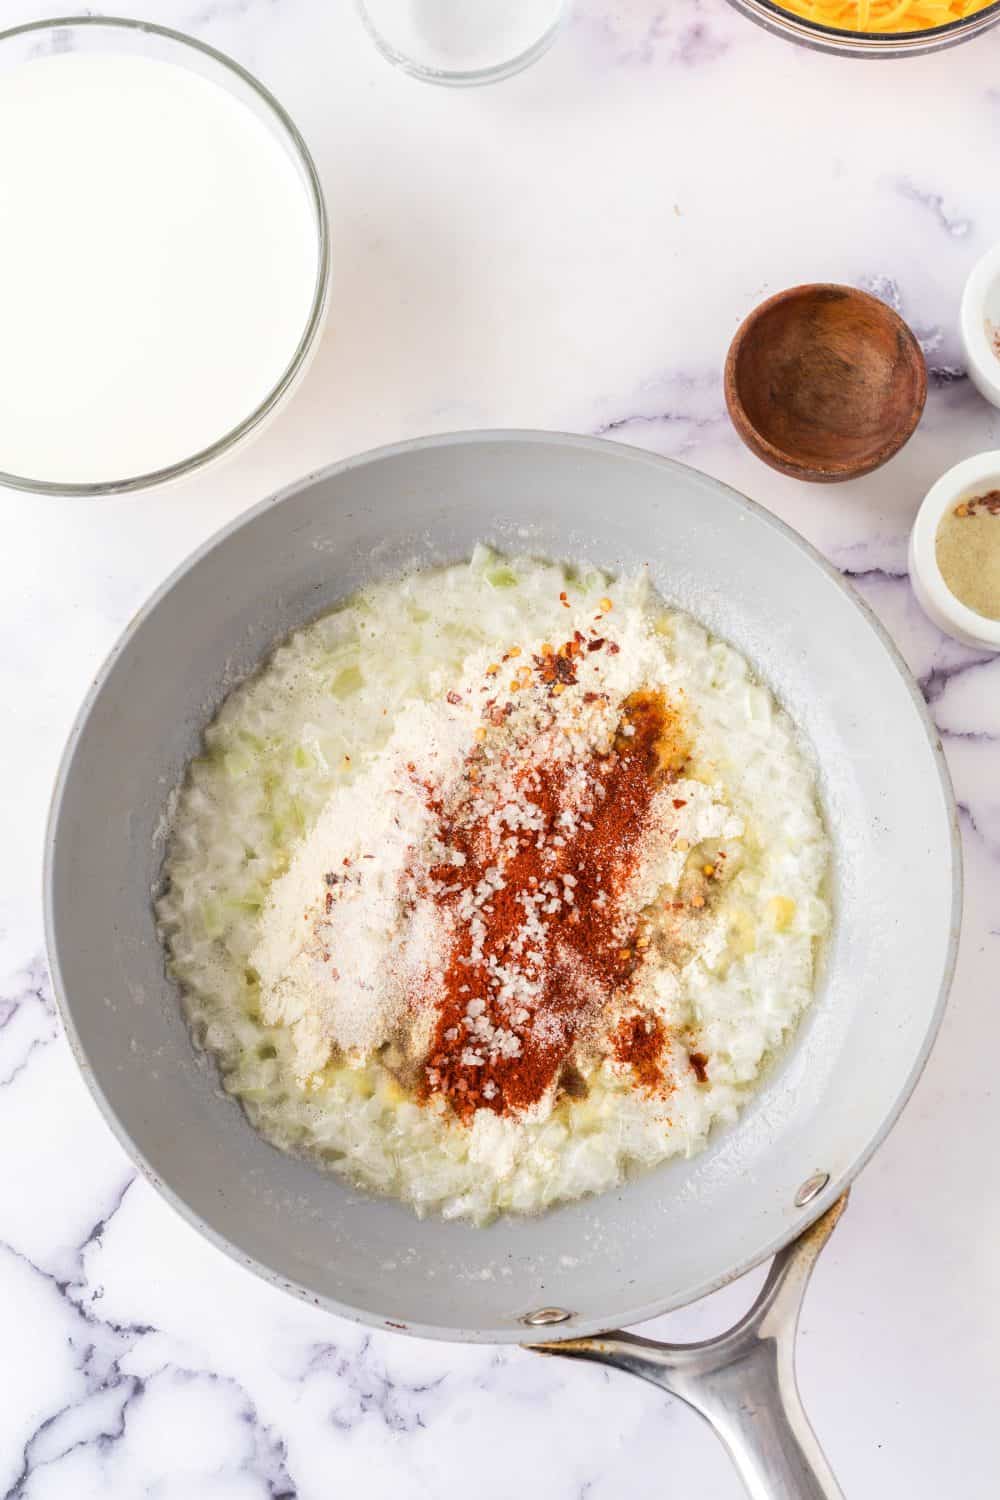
(164, 256)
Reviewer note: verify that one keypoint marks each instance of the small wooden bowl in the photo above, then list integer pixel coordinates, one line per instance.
(825, 382)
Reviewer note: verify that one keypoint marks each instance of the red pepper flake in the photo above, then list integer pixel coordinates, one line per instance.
(564, 599)
(559, 667)
(596, 645)
(680, 802)
(614, 648)
(990, 502)
(328, 903)
(454, 697)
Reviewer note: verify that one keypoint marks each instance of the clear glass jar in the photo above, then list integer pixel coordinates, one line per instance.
(462, 42)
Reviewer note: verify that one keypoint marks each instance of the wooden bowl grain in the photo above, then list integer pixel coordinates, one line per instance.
(825, 382)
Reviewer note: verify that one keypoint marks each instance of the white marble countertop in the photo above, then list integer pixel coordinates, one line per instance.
(571, 249)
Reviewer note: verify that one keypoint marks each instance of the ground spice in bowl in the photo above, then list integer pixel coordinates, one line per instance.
(967, 547)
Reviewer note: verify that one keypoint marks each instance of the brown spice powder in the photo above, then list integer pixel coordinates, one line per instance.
(967, 547)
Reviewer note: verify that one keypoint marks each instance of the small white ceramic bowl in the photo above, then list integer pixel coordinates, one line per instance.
(973, 476)
(979, 325)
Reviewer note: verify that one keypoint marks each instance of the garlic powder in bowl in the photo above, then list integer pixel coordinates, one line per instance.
(954, 552)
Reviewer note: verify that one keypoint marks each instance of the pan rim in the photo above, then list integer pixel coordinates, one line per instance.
(577, 1327)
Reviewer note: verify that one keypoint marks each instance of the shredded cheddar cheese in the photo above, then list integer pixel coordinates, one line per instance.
(884, 15)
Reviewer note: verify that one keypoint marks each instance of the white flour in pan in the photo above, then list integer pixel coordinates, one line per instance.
(317, 907)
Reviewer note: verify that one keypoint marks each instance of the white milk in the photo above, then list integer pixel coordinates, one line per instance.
(158, 259)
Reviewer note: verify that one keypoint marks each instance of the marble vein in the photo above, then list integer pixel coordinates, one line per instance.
(28, 1020)
(364, 1387)
(97, 1347)
(953, 224)
(648, 36)
(682, 406)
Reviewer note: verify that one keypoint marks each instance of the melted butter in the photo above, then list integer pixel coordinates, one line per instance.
(781, 912)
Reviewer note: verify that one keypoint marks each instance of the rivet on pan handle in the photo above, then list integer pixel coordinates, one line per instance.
(743, 1381)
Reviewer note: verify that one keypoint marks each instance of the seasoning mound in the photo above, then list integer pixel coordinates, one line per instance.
(489, 907)
(543, 908)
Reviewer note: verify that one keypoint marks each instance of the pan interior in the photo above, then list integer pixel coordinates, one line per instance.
(673, 1233)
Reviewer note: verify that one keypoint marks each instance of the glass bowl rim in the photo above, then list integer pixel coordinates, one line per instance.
(466, 77)
(802, 23)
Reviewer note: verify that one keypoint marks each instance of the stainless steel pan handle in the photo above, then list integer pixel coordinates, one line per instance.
(743, 1382)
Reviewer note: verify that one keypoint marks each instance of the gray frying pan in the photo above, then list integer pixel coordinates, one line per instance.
(673, 1234)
